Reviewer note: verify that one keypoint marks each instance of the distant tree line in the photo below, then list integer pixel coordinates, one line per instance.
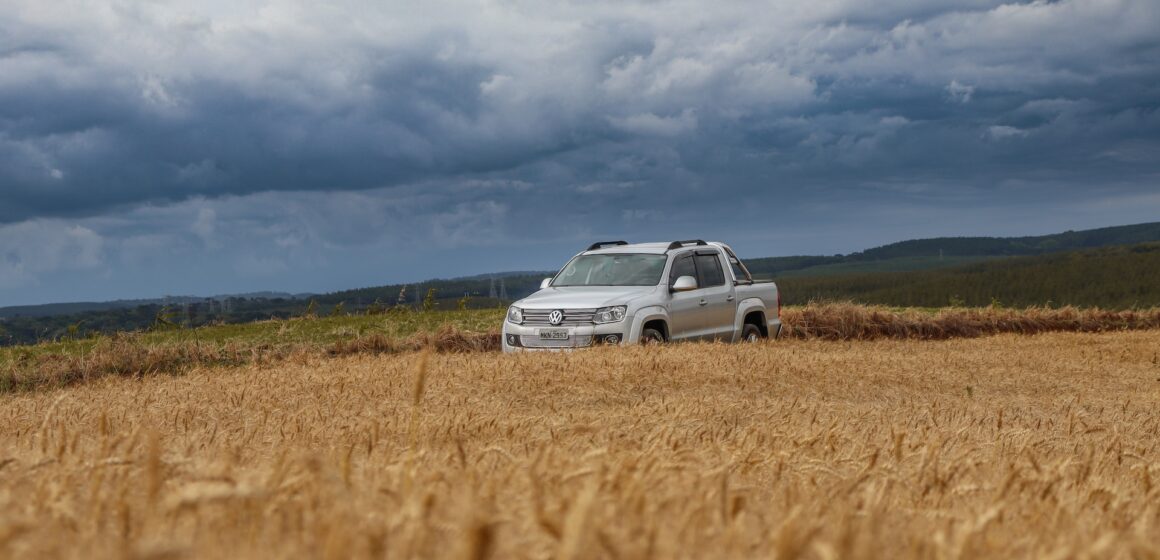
(461, 293)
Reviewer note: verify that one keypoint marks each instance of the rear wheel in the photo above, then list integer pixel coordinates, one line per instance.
(651, 336)
(750, 333)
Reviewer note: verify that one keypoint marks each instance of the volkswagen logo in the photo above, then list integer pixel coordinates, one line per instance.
(556, 317)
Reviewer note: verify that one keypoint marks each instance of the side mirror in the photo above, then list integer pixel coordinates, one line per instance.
(545, 283)
(684, 284)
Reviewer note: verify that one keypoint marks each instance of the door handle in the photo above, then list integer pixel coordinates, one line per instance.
(703, 302)
(730, 298)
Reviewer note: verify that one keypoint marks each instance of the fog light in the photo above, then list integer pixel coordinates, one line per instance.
(612, 339)
(513, 340)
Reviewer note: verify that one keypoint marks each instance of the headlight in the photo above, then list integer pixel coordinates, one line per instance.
(609, 314)
(515, 315)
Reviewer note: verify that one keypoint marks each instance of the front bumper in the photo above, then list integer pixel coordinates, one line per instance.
(519, 338)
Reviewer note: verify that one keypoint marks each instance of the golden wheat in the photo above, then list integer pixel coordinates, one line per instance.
(1007, 446)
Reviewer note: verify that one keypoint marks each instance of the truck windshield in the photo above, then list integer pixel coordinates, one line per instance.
(615, 269)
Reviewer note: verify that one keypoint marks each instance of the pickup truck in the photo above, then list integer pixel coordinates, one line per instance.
(621, 293)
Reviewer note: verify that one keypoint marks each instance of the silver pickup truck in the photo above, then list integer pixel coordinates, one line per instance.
(621, 293)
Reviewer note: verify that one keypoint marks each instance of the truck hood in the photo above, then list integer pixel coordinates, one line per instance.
(583, 297)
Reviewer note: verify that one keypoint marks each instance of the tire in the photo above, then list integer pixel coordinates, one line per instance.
(652, 336)
(750, 333)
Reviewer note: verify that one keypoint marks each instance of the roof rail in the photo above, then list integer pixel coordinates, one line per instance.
(679, 244)
(603, 244)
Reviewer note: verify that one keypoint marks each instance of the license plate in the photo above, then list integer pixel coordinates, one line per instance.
(553, 334)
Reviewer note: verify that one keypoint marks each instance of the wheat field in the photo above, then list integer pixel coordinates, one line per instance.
(1005, 446)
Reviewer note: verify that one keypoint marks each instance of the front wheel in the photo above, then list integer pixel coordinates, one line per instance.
(649, 337)
(750, 333)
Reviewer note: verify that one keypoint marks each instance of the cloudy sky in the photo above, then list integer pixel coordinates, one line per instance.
(161, 147)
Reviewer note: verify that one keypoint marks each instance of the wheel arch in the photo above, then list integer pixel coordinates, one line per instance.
(650, 316)
(751, 311)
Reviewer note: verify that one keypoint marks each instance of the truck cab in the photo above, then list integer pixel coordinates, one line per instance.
(621, 293)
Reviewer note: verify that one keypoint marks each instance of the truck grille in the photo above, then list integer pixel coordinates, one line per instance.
(534, 341)
(572, 317)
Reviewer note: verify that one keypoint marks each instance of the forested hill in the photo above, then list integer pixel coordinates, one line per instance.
(1014, 246)
(944, 252)
(73, 308)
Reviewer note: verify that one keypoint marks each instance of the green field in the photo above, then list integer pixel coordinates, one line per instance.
(1123, 277)
(277, 336)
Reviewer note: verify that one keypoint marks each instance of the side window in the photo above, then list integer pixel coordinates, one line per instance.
(683, 266)
(710, 268)
(739, 272)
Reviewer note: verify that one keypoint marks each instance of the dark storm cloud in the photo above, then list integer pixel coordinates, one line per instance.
(292, 137)
(81, 151)
(847, 91)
